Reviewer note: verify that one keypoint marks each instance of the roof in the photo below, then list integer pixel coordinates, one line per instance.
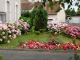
(53, 11)
(29, 5)
(24, 1)
(76, 15)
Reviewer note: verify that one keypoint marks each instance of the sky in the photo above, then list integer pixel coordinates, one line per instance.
(73, 5)
(66, 5)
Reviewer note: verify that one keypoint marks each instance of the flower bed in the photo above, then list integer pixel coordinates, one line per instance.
(50, 46)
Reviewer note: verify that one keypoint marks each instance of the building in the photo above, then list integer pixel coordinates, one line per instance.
(75, 19)
(52, 14)
(26, 5)
(10, 10)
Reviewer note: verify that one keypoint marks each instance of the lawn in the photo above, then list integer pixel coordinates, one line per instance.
(42, 37)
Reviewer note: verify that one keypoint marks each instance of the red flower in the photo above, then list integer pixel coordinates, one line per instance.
(22, 47)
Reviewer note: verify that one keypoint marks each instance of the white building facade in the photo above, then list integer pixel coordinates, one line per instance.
(10, 10)
(75, 19)
(59, 17)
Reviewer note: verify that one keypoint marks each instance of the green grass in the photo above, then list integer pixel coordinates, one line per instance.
(43, 37)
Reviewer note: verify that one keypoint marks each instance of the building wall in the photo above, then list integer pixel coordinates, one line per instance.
(75, 19)
(2, 5)
(53, 17)
(12, 8)
(61, 15)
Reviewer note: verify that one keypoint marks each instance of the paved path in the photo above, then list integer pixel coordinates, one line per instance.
(34, 55)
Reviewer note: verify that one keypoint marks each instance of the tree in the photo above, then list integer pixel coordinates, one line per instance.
(70, 12)
(78, 12)
(39, 18)
(62, 2)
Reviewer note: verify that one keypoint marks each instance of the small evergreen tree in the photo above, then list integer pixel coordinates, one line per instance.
(39, 18)
(25, 13)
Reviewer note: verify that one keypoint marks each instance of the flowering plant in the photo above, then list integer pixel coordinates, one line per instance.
(56, 27)
(23, 26)
(72, 31)
(10, 31)
(50, 45)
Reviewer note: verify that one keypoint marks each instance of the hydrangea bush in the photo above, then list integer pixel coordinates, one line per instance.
(23, 26)
(3, 31)
(56, 27)
(63, 28)
(72, 31)
(10, 31)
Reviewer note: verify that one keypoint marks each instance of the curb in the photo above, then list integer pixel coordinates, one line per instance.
(41, 50)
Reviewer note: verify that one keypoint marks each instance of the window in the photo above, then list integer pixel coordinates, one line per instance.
(3, 17)
(16, 12)
(8, 11)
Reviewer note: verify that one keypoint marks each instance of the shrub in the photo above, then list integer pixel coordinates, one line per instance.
(10, 31)
(26, 19)
(37, 32)
(56, 27)
(72, 31)
(23, 26)
(25, 13)
(32, 29)
(39, 18)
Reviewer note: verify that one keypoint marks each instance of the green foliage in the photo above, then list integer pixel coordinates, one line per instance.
(76, 57)
(58, 9)
(32, 29)
(25, 13)
(69, 12)
(50, 31)
(51, 5)
(42, 37)
(39, 18)
(63, 5)
(1, 57)
(26, 19)
(37, 32)
(33, 13)
(42, 30)
(78, 12)
(20, 42)
(69, 2)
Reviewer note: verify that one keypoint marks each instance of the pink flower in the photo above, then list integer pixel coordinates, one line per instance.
(14, 36)
(4, 27)
(0, 40)
(3, 32)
